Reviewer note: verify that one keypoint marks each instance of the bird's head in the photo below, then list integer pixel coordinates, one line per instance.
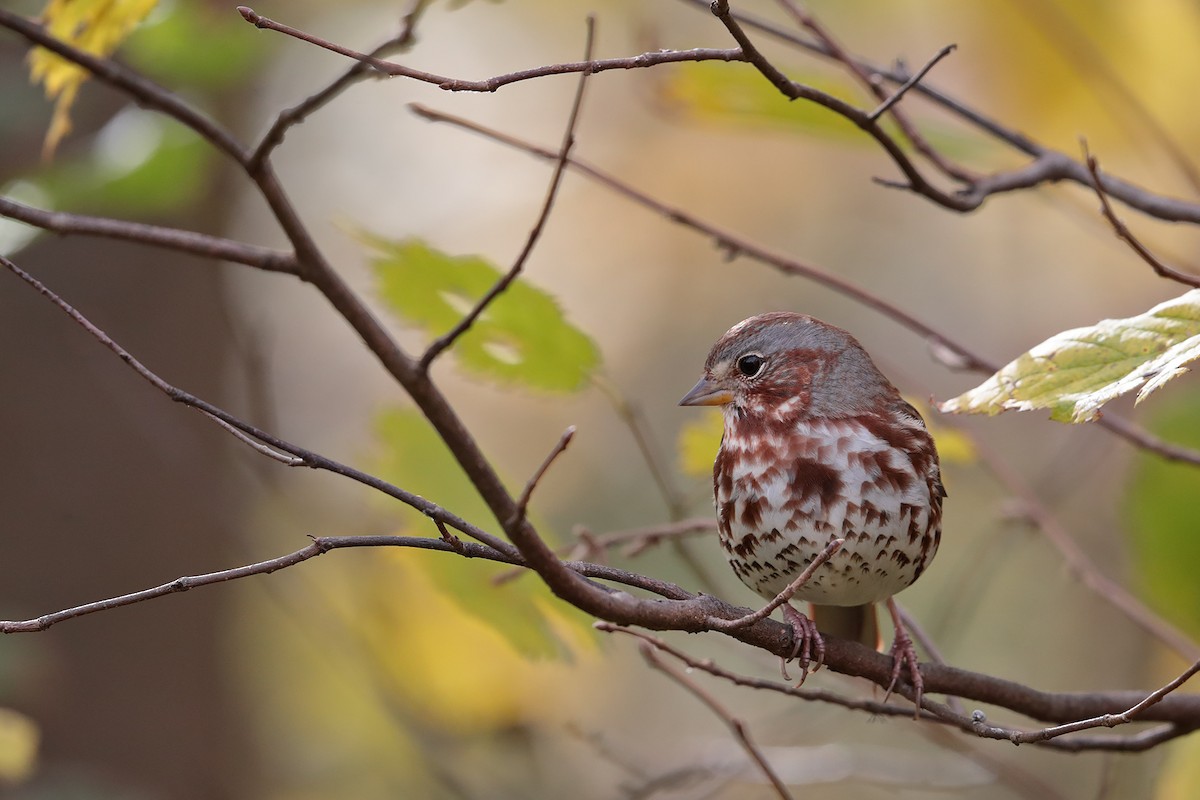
(787, 360)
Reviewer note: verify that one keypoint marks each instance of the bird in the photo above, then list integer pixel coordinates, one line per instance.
(818, 445)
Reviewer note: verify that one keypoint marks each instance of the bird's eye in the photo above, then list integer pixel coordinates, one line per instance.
(750, 364)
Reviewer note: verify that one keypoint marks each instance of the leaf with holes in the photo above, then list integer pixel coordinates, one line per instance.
(1075, 372)
(522, 338)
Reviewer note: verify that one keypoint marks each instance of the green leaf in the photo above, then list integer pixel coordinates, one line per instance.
(521, 338)
(416, 458)
(1160, 508)
(1075, 372)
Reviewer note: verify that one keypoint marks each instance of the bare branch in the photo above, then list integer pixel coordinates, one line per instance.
(936, 712)
(1126, 235)
(784, 596)
(176, 239)
(1049, 165)
(736, 726)
(564, 150)
(873, 707)
(492, 84)
(1108, 720)
(448, 543)
(298, 113)
(637, 540)
(895, 97)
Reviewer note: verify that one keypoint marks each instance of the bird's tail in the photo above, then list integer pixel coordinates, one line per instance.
(856, 623)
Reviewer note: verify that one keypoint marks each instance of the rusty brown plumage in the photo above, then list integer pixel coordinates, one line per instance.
(819, 445)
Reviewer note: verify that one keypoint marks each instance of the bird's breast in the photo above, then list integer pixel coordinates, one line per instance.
(782, 493)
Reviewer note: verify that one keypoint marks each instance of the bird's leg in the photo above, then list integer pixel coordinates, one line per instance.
(805, 639)
(903, 653)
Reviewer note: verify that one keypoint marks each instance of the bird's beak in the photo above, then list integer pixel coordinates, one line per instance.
(707, 393)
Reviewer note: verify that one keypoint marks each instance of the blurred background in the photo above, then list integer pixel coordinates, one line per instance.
(376, 673)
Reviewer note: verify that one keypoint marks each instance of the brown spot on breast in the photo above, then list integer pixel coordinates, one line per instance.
(752, 511)
(814, 479)
(746, 546)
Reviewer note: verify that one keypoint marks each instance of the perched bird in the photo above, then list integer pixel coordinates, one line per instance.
(819, 445)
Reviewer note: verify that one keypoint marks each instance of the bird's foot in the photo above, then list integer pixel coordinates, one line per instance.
(806, 640)
(904, 654)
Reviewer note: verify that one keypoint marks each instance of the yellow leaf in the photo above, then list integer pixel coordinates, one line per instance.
(1179, 775)
(954, 446)
(18, 746)
(698, 442)
(94, 26)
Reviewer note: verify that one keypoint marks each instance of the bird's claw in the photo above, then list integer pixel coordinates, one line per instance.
(904, 653)
(805, 640)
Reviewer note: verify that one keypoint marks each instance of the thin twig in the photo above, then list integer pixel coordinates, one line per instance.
(904, 88)
(271, 453)
(633, 542)
(784, 596)
(447, 543)
(737, 726)
(1126, 235)
(527, 493)
(637, 540)
(361, 69)
(183, 241)
(449, 84)
(440, 344)
(870, 80)
(1108, 720)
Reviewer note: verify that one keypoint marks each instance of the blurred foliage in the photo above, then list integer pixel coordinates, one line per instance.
(1075, 372)
(140, 163)
(18, 746)
(521, 338)
(95, 26)
(1180, 775)
(1161, 512)
(698, 441)
(414, 456)
(164, 46)
(736, 94)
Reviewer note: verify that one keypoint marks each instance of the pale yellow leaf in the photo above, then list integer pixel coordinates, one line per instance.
(18, 746)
